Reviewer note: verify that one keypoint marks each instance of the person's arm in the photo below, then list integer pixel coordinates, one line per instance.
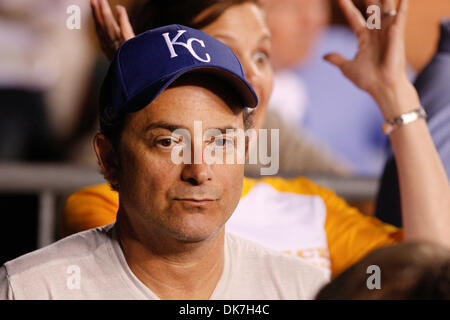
(432, 86)
(380, 69)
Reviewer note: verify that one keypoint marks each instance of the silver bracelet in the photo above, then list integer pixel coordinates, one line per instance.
(408, 117)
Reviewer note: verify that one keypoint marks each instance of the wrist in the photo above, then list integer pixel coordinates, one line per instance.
(397, 99)
(406, 118)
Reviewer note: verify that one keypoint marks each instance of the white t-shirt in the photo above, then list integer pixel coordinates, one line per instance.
(91, 265)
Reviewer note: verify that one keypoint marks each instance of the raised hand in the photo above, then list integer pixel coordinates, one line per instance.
(379, 66)
(110, 33)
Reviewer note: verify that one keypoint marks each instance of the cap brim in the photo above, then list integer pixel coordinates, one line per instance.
(241, 87)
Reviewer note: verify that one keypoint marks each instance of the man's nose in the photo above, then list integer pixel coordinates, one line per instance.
(196, 174)
(197, 171)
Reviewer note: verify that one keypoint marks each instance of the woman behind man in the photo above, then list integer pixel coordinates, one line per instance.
(296, 215)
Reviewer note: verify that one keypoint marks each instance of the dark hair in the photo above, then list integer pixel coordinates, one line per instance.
(408, 271)
(152, 14)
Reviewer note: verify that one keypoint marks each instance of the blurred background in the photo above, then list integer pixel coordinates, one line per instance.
(50, 77)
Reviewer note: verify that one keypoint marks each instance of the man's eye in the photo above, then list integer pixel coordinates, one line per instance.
(167, 142)
(223, 141)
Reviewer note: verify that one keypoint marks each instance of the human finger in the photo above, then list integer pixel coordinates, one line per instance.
(354, 17)
(124, 23)
(98, 18)
(400, 19)
(336, 59)
(111, 27)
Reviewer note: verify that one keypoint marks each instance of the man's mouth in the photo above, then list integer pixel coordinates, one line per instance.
(196, 201)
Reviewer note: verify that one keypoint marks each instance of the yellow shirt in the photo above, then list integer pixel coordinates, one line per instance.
(293, 215)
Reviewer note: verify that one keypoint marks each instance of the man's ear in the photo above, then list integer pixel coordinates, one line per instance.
(108, 159)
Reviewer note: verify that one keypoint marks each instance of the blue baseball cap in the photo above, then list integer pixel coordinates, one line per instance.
(147, 64)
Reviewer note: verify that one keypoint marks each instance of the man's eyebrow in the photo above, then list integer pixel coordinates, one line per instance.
(172, 127)
(223, 130)
(164, 125)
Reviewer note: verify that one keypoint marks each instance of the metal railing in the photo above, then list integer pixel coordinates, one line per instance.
(49, 181)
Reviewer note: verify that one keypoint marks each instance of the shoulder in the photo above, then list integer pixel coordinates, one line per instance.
(290, 272)
(59, 255)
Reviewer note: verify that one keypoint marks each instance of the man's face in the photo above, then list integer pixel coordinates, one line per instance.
(188, 202)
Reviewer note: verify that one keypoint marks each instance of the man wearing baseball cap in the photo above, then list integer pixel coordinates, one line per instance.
(169, 240)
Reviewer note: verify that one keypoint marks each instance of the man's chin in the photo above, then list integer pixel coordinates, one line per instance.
(191, 226)
(196, 234)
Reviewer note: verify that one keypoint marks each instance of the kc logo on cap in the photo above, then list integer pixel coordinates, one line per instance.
(147, 64)
(187, 45)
